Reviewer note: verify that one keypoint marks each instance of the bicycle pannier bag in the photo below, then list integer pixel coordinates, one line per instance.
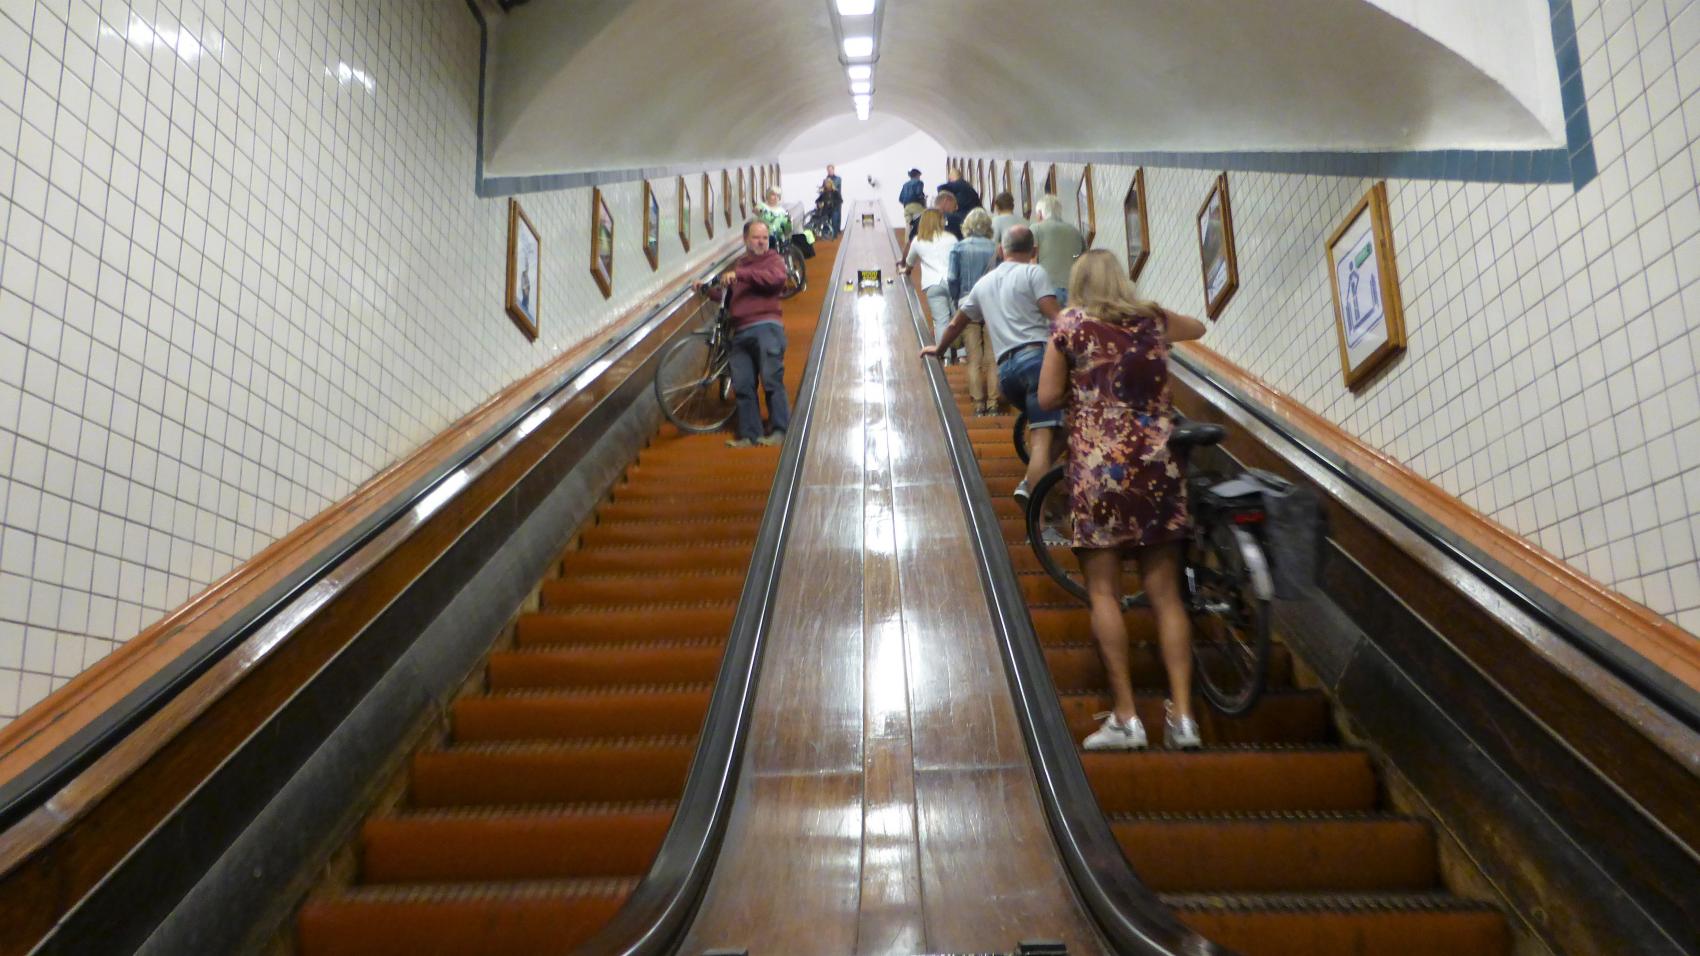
(1293, 533)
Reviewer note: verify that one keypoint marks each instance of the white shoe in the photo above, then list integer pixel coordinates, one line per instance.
(1115, 735)
(1021, 493)
(1179, 733)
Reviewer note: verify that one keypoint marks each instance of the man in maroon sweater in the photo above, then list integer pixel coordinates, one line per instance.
(758, 339)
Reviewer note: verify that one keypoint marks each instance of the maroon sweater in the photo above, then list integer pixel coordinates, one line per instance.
(755, 293)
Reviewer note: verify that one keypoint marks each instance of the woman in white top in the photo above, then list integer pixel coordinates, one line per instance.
(931, 249)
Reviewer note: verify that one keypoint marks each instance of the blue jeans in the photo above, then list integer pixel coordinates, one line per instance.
(1018, 379)
(760, 350)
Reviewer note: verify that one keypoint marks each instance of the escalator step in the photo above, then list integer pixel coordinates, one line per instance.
(1340, 853)
(1332, 925)
(721, 530)
(1280, 717)
(459, 919)
(658, 662)
(611, 712)
(609, 624)
(1231, 780)
(535, 843)
(1076, 666)
(679, 557)
(709, 584)
(667, 509)
(651, 768)
(741, 484)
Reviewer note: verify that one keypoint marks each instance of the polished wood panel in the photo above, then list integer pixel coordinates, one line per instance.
(909, 823)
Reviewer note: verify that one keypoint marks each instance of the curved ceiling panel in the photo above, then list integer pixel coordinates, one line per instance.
(653, 82)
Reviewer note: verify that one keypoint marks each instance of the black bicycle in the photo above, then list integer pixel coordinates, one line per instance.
(693, 381)
(796, 269)
(1227, 584)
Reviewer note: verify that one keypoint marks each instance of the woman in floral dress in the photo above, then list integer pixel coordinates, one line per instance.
(1107, 362)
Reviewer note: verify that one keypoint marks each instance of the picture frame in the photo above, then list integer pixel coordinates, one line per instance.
(1051, 180)
(1008, 173)
(1026, 197)
(743, 210)
(763, 193)
(601, 243)
(1220, 265)
(708, 209)
(755, 197)
(1138, 225)
(651, 226)
(726, 194)
(1369, 315)
(1085, 206)
(525, 266)
(980, 176)
(684, 200)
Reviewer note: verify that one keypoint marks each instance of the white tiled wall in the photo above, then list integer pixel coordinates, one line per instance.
(1550, 380)
(242, 270)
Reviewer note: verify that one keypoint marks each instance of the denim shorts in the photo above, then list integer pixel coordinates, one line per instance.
(1018, 379)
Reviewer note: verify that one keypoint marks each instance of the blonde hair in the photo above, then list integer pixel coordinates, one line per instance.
(978, 222)
(1099, 286)
(932, 223)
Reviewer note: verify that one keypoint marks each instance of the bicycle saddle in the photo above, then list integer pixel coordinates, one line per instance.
(1196, 435)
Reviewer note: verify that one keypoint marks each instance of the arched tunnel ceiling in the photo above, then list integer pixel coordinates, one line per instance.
(618, 83)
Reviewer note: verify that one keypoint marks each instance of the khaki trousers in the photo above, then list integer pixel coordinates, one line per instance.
(982, 365)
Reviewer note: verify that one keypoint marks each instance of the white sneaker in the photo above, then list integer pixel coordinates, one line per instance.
(1179, 733)
(1115, 735)
(1021, 493)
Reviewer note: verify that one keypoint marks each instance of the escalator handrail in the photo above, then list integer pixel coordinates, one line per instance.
(1129, 915)
(656, 916)
(1640, 674)
(35, 785)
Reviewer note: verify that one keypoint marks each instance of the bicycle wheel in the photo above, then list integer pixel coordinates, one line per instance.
(1048, 532)
(693, 383)
(1019, 435)
(796, 273)
(1230, 623)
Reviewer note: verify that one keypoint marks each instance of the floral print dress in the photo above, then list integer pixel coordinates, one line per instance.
(1125, 491)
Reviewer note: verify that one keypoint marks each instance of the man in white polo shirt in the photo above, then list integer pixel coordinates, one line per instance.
(1017, 303)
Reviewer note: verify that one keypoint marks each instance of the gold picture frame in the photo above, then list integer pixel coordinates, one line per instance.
(685, 212)
(726, 194)
(1086, 206)
(601, 243)
(1369, 316)
(1026, 197)
(1221, 267)
(651, 227)
(743, 209)
(525, 266)
(1051, 180)
(708, 204)
(1008, 174)
(1138, 225)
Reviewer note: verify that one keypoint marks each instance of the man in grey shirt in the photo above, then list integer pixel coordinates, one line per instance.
(1059, 245)
(1017, 304)
(1003, 216)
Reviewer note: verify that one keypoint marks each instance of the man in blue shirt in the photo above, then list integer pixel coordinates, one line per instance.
(838, 212)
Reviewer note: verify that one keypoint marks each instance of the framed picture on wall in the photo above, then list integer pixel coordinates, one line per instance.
(1051, 180)
(708, 208)
(601, 243)
(1086, 216)
(1216, 248)
(726, 195)
(980, 176)
(755, 197)
(651, 226)
(763, 196)
(525, 261)
(1026, 197)
(684, 214)
(743, 210)
(1008, 182)
(1368, 313)
(1138, 225)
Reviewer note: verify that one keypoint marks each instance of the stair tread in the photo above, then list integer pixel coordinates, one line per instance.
(576, 648)
(564, 745)
(1232, 817)
(596, 808)
(1424, 901)
(571, 888)
(591, 692)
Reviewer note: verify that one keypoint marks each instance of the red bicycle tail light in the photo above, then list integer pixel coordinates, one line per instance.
(1248, 517)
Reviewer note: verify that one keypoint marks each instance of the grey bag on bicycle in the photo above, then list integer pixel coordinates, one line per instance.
(1293, 529)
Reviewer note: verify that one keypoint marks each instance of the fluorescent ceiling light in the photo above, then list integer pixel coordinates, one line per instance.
(861, 100)
(858, 46)
(855, 8)
(861, 71)
(861, 86)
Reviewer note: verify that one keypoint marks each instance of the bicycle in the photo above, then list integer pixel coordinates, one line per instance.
(693, 380)
(1227, 584)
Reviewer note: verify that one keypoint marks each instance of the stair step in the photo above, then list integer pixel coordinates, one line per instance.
(650, 768)
(720, 530)
(708, 584)
(668, 509)
(1298, 852)
(1231, 780)
(1077, 666)
(741, 484)
(1040, 590)
(687, 621)
(612, 712)
(542, 843)
(691, 451)
(1334, 925)
(1281, 717)
(594, 665)
(459, 919)
(1002, 465)
(683, 556)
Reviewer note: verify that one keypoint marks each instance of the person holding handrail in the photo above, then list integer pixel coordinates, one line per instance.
(758, 339)
(1107, 364)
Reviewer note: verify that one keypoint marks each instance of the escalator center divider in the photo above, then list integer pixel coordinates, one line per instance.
(1131, 917)
(655, 917)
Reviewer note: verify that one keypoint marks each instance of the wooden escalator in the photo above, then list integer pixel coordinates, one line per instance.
(526, 829)
(1275, 839)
